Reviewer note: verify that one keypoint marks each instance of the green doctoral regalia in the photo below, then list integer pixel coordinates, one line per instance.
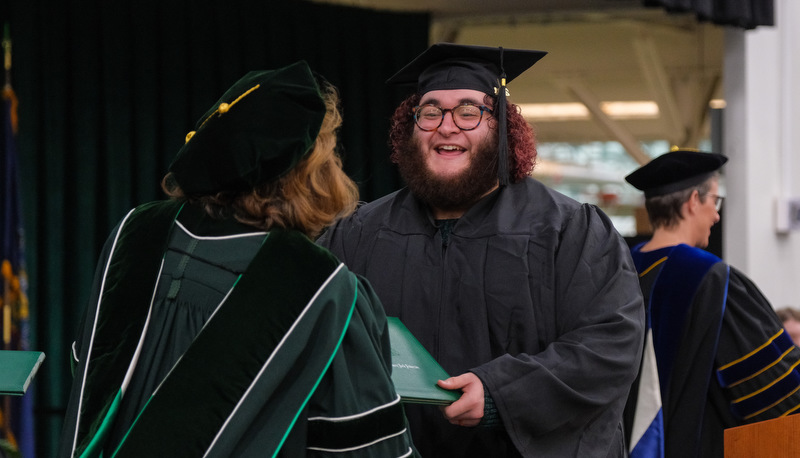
(214, 339)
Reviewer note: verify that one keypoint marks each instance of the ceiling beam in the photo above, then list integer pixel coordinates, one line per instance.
(705, 89)
(579, 90)
(655, 74)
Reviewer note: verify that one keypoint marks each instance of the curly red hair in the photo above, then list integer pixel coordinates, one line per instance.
(521, 138)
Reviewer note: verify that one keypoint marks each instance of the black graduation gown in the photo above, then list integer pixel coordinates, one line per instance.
(723, 357)
(535, 293)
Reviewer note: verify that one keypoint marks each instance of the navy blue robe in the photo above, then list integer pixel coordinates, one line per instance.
(722, 355)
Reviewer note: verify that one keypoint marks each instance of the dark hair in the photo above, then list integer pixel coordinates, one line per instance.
(308, 198)
(665, 210)
(788, 313)
(521, 138)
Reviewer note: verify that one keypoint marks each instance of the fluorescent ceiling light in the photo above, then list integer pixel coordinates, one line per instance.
(717, 103)
(578, 111)
(554, 111)
(631, 110)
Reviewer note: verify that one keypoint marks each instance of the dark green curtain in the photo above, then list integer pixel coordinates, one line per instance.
(108, 91)
(747, 14)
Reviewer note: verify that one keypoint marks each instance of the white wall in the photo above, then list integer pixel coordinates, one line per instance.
(761, 135)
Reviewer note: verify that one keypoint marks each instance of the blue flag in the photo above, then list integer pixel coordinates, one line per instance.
(16, 414)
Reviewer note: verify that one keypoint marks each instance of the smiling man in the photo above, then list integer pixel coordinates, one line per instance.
(446, 166)
(526, 297)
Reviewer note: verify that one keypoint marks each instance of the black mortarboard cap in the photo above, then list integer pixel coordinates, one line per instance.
(256, 132)
(674, 171)
(453, 66)
(447, 66)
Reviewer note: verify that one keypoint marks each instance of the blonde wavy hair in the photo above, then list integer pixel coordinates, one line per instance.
(310, 197)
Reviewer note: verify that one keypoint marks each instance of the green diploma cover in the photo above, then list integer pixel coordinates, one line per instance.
(414, 371)
(17, 369)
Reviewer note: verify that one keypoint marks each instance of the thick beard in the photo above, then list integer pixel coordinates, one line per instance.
(454, 192)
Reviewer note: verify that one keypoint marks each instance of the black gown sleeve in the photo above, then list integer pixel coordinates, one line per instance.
(582, 378)
(756, 361)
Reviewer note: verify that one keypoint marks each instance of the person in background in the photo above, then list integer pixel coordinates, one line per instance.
(790, 317)
(716, 355)
(216, 326)
(526, 297)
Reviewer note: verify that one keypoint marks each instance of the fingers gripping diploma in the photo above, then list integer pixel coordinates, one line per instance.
(468, 410)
